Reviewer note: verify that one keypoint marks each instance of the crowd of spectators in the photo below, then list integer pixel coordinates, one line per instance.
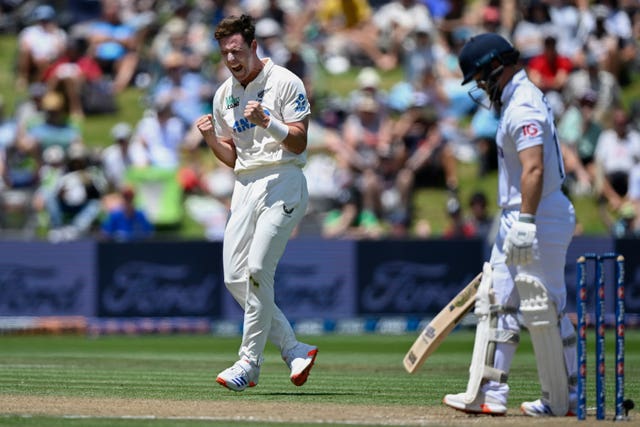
(369, 150)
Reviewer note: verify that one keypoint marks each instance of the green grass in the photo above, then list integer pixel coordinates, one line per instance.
(351, 370)
(429, 204)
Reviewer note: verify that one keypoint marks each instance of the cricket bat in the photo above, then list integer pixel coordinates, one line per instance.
(440, 326)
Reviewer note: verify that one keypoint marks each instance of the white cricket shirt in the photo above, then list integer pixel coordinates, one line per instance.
(526, 120)
(282, 95)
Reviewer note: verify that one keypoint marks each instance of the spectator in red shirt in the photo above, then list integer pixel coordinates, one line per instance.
(71, 72)
(549, 70)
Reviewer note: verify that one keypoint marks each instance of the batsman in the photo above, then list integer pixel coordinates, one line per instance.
(524, 279)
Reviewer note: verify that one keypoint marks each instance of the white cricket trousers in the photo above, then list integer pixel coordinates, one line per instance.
(266, 206)
(555, 221)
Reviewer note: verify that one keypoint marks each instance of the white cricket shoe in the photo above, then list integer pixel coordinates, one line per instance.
(537, 408)
(241, 375)
(482, 404)
(300, 360)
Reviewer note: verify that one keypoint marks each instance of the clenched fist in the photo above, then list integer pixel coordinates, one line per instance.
(205, 124)
(254, 112)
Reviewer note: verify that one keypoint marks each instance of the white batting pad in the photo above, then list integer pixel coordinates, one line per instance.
(483, 329)
(540, 316)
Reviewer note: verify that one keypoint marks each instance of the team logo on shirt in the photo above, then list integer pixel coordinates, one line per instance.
(530, 130)
(261, 94)
(231, 102)
(244, 124)
(301, 103)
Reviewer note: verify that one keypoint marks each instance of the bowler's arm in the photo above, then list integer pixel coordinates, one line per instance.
(296, 140)
(223, 148)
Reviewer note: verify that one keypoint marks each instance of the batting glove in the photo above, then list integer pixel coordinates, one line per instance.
(520, 243)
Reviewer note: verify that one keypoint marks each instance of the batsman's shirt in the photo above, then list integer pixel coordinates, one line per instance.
(526, 121)
(281, 94)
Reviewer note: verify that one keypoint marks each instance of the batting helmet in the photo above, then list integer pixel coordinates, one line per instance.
(478, 52)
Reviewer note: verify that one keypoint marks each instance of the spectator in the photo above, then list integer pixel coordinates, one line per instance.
(57, 127)
(550, 71)
(350, 36)
(566, 17)
(39, 44)
(29, 111)
(483, 128)
(116, 158)
(418, 52)
(115, 45)
(633, 195)
(597, 81)
(611, 39)
(210, 203)
(529, 33)
(617, 151)
(185, 90)
(75, 203)
(480, 218)
(20, 167)
(270, 41)
(368, 80)
(458, 227)
(398, 20)
(579, 133)
(158, 138)
(430, 160)
(366, 133)
(126, 223)
(622, 225)
(73, 73)
(180, 35)
(350, 220)
(52, 169)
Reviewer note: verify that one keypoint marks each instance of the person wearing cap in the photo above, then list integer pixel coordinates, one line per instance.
(368, 80)
(116, 158)
(75, 203)
(39, 44)
(523, 283)
(58, 128)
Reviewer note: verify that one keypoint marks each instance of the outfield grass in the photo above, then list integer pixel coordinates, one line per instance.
(351, 370)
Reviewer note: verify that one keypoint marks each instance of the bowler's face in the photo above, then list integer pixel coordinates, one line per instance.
(238, 57)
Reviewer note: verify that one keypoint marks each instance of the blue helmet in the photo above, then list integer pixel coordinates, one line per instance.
(479, 51)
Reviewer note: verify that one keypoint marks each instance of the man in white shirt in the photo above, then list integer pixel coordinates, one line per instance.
(259, 128)
(617, 151)
(525, 274)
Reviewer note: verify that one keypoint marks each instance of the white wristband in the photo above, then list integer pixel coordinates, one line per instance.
(277, 129)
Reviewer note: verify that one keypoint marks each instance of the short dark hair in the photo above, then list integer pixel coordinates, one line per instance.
(231, 25)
